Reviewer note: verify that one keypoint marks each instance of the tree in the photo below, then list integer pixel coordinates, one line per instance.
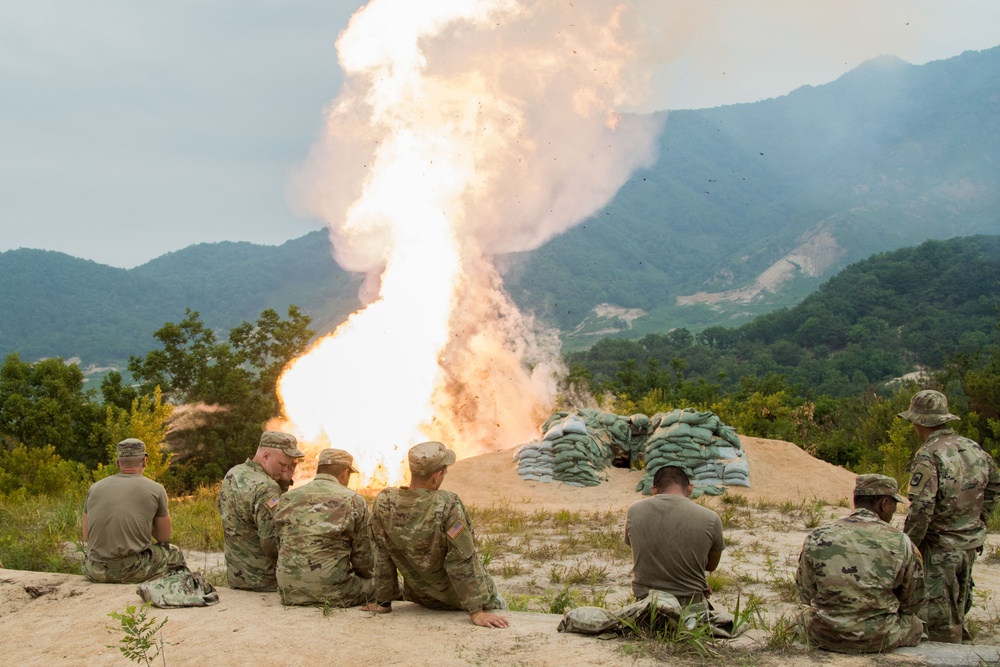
(44, 403)
(234, 381)
(146, 420)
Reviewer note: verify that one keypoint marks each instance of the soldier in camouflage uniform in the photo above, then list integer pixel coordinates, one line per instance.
(954, 487)
(248, 498)
(326, 554)
(425, 534)
(861, 577)
(121, 517)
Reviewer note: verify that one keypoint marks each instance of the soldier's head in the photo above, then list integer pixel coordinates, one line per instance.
(673, 480)
(131, 455)
(877, 493)
(928, 411)
(429, 463)
(336, 462)
(277, 454)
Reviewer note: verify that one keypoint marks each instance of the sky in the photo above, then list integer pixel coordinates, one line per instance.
(132, 129)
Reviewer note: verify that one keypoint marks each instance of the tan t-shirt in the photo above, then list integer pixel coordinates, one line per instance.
(120, 511)
(671, 537)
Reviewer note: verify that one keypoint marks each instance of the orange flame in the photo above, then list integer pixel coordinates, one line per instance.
(419, 138)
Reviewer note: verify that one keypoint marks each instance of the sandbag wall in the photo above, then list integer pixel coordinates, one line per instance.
(576, 448)
(708, 450)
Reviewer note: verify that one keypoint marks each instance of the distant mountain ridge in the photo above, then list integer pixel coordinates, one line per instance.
(749, 208)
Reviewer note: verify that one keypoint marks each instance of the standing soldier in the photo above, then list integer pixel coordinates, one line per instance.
(424, 534)
(953, 490)
(248, 498)
(325, 554)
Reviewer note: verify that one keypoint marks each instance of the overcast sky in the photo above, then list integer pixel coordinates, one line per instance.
(131, 129)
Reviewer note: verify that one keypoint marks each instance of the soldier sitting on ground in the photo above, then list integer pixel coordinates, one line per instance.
(248, 498)
(674, 540)
(425, 534)
(120, 515)
(325, 554)
(861, 577)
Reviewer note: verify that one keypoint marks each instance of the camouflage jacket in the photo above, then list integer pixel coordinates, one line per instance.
(324, 531)
(426, 536)
(248, 499)
(859, 575)
(954, 486)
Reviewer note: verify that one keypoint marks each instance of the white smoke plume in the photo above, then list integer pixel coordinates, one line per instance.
(465, 129)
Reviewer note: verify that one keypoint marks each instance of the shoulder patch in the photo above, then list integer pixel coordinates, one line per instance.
(456, 529)
(916, 478)
(271, 502)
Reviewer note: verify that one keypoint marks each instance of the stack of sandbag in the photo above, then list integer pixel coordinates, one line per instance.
(707, 449)
(567, 453)
(535, 461)
(611, 431)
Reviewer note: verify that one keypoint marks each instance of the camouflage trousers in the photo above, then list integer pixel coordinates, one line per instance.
(906, 632)
(156, 560)
(948, 586)
(351, 593)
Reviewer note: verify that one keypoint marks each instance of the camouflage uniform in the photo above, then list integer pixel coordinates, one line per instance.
(248, 499)
(954, 487)
(426, 536)
(863, 580)
(326, 553)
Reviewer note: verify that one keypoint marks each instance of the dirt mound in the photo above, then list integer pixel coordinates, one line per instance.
(779, 471)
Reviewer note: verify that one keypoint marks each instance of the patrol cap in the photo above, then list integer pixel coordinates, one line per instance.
(877, 485)
(427, 457)
(286, 442)
(928, 408)
(131, 447)
(336, 457)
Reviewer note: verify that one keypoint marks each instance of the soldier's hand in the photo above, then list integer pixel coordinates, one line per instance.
(485, 619)
(376, 608)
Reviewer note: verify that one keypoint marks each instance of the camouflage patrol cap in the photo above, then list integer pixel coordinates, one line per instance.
(286, 442)
(877, 485)
(336, 457)
(427, 457)
(131, 447)
(928, 408)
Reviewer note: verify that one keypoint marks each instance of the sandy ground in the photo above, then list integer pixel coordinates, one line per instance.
(56, 619)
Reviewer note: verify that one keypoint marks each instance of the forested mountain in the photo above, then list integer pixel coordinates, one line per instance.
(55, 305)
(876, 320)
(756, 204)
(749, 208)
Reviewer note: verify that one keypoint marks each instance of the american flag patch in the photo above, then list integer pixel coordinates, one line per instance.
(271, 502)
(456, 530)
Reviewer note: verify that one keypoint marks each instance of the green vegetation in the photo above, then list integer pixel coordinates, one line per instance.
(142, 639)
(822, 374)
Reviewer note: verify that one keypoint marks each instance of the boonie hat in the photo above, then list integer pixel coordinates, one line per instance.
(427, 457)
(336, 457)
(286, 442)
(131, 447)
(877, 485)
(928, 408)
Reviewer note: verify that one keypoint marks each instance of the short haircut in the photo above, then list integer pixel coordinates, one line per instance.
(414, 475)
(670, 475)
(868, 502)
(130, 461)
(331, 469)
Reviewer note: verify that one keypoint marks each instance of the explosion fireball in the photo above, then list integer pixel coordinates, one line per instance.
(466, 130)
